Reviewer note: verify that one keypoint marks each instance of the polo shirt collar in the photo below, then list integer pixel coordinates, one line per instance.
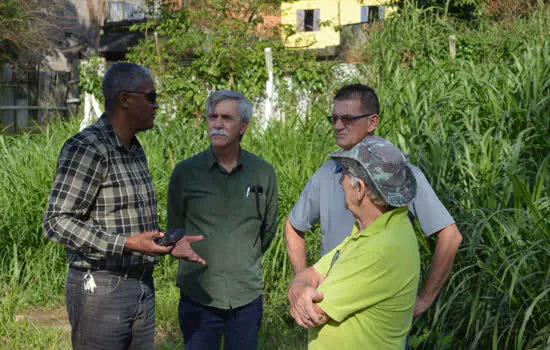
(211, 158)
(381, 222)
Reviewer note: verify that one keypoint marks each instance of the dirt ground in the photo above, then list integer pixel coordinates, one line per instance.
(55, 318)
(50, 317)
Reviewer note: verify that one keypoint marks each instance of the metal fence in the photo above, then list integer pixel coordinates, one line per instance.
(34, 97)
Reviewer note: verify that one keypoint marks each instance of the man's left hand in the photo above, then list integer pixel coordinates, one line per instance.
(302, 299)
(183, 249)
(421, 305)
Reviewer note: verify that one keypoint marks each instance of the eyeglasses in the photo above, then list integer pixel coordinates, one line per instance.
(346, 119)
(150, 96)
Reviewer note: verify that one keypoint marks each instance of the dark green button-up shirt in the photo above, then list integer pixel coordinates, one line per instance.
(237, 214)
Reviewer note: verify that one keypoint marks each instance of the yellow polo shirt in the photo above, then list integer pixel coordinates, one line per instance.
(370, 287)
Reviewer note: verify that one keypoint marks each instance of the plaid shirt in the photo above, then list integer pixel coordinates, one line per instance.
(102, 193)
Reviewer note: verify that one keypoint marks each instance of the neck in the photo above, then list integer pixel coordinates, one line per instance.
(124, 133)
(367, 213)
(228, 156)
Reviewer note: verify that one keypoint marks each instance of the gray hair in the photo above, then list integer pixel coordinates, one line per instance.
(372, 192)
(120, 77)
(245, 107)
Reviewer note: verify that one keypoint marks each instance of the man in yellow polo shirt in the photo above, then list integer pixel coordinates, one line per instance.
(361, 294)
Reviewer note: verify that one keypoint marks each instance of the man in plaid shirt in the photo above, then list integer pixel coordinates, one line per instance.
(103, 209)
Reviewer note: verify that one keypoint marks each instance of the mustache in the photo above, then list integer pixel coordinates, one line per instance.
(218, 132)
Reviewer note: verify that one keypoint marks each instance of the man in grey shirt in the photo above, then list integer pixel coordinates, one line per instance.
(355, 116)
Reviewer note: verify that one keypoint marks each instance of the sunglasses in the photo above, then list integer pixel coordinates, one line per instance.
(150, 96)
(333, 119)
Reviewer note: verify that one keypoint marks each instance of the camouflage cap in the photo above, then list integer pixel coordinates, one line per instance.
(380, 161)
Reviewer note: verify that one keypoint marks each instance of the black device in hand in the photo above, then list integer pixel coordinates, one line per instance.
(170, 237)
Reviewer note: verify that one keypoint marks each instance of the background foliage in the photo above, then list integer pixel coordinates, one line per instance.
(213, 45)
(477, 125)
(26, 29)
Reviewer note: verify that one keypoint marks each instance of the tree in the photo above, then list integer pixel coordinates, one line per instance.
(510, 10)
(218, 44)
(97, 13)
(465, 9)
(25, 29)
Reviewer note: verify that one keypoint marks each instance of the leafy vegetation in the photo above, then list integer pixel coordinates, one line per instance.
(478, 125)
(26, 29)
(213, 45)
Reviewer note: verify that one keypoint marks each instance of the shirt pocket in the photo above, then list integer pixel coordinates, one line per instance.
(253, 206)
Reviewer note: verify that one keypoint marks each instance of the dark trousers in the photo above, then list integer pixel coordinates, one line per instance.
(119, 314)
(203, 326)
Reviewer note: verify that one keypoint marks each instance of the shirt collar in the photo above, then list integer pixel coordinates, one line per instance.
(382, 221)
(338, 168)
(112, 136)
(211, 158)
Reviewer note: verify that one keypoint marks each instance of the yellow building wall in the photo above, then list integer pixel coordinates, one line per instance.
(332, 13)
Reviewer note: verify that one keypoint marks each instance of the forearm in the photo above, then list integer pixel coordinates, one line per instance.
(448, 241)
(76, 235)
(308, 277)
(296, 247)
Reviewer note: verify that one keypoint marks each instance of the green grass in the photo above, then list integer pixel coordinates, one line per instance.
(478, 127)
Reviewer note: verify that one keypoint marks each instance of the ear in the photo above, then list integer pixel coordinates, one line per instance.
(123, 100)
(244, 125)
(361, 190)
(373, 123)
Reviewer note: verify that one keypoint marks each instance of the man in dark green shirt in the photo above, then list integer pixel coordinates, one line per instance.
(229, 196)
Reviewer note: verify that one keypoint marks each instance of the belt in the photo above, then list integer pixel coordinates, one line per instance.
(140, 272)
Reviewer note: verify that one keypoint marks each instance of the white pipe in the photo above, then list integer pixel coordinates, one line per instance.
(268, 110)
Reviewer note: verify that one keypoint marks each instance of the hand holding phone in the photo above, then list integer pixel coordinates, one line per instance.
(170, 237)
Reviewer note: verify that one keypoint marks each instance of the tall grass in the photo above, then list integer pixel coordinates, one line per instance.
(479, 128)
(480, 131)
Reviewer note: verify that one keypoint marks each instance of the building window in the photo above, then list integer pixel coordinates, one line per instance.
(372, 13)
(308, 20)
(124, 11)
